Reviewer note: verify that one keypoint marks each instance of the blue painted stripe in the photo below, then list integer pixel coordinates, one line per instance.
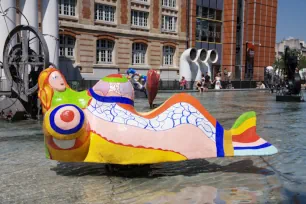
(70, 131)
(219, 140)
(254, 147)
(111, 99)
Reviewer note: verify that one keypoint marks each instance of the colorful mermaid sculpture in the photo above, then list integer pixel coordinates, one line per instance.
(101, 125)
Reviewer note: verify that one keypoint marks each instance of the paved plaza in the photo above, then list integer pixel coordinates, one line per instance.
(26, 176)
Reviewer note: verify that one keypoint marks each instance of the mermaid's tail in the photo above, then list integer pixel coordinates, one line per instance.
(245, 140)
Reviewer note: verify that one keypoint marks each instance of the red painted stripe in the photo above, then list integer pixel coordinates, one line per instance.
(115, 75)
(130, 145)
(247, 136)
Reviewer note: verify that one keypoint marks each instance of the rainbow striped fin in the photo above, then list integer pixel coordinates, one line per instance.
(245, 140)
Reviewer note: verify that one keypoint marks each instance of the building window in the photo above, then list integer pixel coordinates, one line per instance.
(169, 3)
(168, 53)
(219, 15)
(198, 30)
(209, 13)
(169, 23)
(198, 10)
(218, 32)
(211, 32)
(105, 13)
(139, 18)
(212, 14)
(67, 44)
(66, 7)
(204, 12)
(208, 31)
(139, 53)
(208, 24)
(105, 51)
(204, 30)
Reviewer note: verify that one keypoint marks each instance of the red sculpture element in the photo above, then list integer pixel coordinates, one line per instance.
(152, 85)
(67, 116)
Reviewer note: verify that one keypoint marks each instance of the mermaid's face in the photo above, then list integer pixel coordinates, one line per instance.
(57, 82)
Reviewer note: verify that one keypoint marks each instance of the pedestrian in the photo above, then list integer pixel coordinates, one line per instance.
(225, 73)
(183, 83)
(218, 81)
(200, 85)
(207, 81)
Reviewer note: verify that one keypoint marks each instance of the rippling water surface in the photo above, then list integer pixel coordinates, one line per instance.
(27, 177)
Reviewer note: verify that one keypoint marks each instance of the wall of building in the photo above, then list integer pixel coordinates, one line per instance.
(259, 29)
(86, 31)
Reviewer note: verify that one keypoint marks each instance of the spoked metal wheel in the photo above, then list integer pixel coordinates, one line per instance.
(25, 56)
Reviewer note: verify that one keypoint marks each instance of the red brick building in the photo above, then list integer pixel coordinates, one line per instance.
(255, 24)
(248, 34)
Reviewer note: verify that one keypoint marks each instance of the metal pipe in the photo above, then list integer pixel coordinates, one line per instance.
(186, 60)
(188, 24)
(29, 8)
(242, 37)
(232, 38)
(7, 22)
(50, 27)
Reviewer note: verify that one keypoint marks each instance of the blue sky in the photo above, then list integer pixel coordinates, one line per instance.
(291, 19)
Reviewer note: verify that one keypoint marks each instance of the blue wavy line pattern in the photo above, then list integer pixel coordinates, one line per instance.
(178, 114)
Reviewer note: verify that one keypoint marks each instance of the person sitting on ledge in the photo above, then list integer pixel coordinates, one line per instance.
(200, 86)
(261, 85)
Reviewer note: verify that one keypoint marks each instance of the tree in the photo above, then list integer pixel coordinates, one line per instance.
(279, 63)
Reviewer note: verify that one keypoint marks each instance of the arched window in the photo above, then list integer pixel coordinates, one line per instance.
(168, 53)
(67, 44)
(139, 53)
(105, 50)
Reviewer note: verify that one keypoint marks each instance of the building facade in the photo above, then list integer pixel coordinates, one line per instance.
(249, 35)
(111, 36)
(100, 37)
(292, 43)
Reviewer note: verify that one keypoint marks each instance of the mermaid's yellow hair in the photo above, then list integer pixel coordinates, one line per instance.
(45, 91)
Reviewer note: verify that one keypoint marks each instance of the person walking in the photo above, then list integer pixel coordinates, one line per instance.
(183, 83)
(207, 81)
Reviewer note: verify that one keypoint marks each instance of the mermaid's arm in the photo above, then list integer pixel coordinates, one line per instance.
(69, 96)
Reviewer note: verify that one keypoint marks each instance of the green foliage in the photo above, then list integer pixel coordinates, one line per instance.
(279, 63)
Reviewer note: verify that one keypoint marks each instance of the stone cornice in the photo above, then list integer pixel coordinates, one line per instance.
(117, 31)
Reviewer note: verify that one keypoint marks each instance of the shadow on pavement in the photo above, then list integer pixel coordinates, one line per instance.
(186, 168)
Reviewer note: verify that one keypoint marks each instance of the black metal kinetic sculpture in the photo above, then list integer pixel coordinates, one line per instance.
(22, 66)
(291, 87)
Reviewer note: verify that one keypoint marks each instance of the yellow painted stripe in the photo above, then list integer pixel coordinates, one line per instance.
(228, 144)
(244, 126)
(103, 151)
